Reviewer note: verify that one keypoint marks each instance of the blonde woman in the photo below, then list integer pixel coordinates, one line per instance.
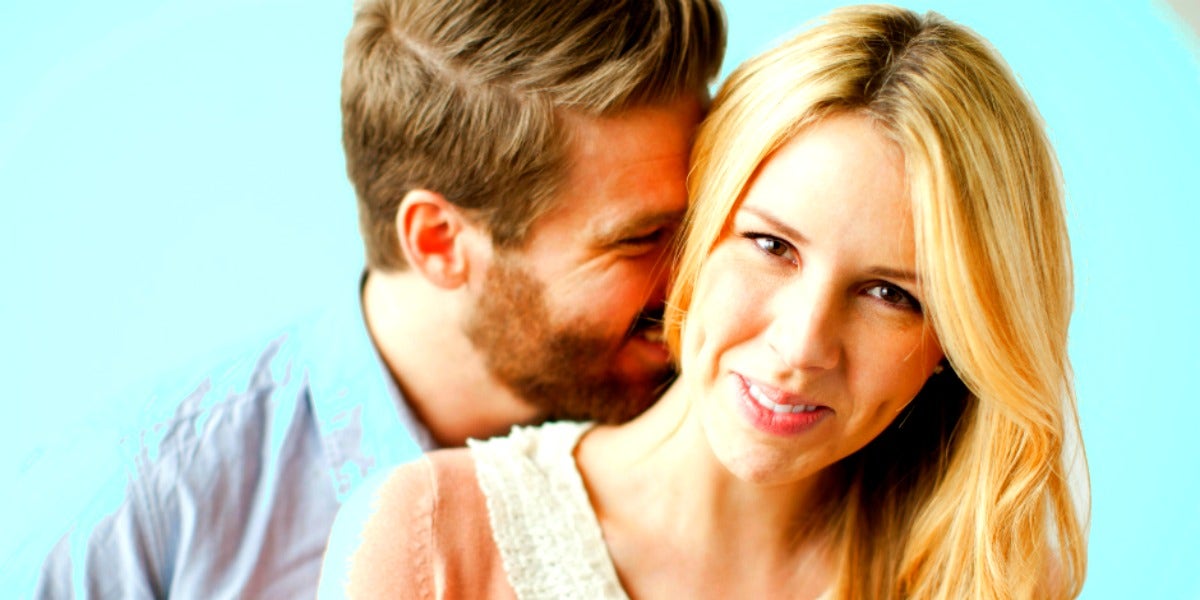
(870, 316)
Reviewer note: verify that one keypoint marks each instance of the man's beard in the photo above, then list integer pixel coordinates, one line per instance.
(562, 370)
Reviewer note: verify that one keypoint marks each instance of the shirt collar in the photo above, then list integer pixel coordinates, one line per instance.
(364, 421)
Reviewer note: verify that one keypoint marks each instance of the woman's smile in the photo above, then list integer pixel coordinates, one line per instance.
(774, 411)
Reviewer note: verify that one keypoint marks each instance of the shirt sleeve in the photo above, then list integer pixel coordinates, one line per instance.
(109, 553)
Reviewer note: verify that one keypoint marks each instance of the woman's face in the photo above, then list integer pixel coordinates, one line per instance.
(806, 335)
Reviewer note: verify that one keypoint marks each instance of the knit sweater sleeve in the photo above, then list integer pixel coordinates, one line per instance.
(393, 556)
(427, 536)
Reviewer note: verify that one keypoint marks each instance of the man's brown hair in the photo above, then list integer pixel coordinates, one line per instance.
(466, 97)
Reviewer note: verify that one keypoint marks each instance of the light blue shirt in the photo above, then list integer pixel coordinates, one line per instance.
(234, 494)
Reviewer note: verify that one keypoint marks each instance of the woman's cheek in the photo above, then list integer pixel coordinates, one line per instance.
(725, 307)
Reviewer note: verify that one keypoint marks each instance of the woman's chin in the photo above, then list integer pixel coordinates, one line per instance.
(752, 461)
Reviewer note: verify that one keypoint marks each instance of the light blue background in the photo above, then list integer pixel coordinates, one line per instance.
(171, 181)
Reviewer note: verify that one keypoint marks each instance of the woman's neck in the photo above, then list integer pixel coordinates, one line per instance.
(670, 510)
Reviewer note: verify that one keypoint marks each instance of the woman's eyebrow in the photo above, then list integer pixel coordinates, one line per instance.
(775, 222)
(895, 274)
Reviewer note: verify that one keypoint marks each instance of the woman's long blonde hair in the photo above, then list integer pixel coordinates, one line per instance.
(967, 494)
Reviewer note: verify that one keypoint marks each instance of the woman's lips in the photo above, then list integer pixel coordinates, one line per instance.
(760, 396)
(774, 411)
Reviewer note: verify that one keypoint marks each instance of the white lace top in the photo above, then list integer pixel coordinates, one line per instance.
(545, 529)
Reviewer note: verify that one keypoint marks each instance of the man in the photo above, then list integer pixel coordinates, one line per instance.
(519, 167)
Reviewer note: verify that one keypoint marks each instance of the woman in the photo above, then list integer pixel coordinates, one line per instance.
(870, 317)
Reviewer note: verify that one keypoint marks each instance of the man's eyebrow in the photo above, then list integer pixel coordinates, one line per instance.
(614, 232)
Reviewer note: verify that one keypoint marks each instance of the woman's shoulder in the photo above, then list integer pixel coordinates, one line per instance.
(411, 489)
(380, 535)
(541, 445)
(529, 472)
(410, 497)
(412, 501)
(421, 527)
(542, 522)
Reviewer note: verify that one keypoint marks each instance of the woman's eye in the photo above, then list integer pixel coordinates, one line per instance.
(895, 296)
(771, 245)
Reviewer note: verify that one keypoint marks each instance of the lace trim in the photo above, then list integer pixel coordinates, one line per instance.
(545, 529)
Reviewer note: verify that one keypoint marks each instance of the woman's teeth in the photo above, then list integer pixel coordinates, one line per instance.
(761, 398)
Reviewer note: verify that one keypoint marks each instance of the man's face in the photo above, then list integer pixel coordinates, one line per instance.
(572, 320)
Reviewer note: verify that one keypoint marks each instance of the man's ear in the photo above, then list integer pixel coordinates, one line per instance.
(433, 235)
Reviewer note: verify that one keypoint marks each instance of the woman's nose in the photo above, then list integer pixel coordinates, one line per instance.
(805, 331)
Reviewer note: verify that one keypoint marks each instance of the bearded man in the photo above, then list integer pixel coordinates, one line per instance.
(519, 167)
